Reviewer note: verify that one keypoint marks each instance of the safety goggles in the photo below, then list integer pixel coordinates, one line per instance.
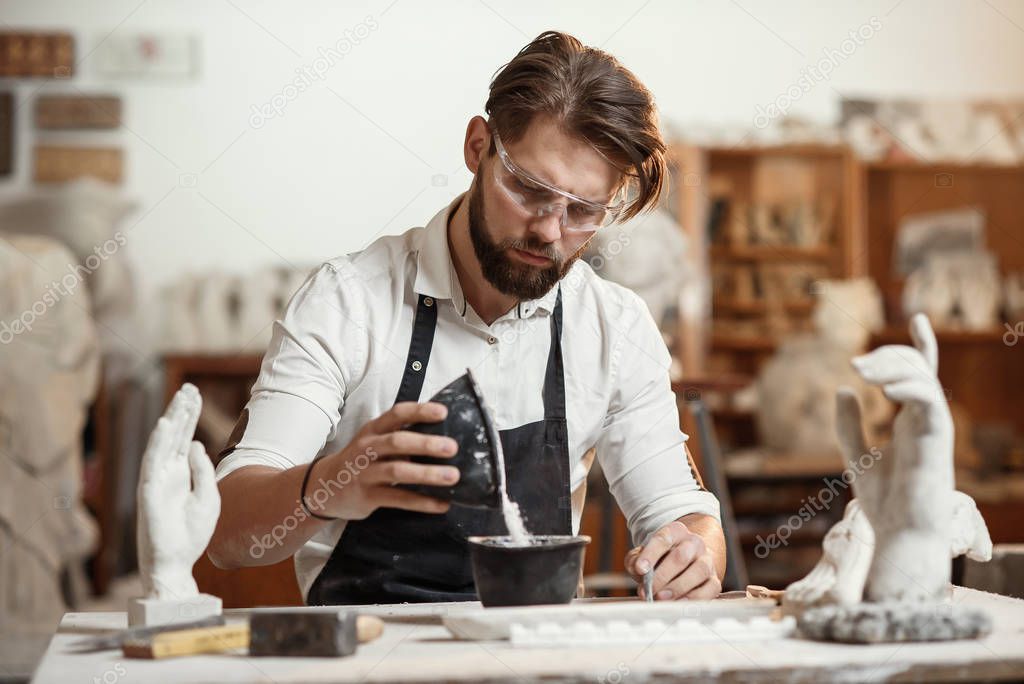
(538, 198)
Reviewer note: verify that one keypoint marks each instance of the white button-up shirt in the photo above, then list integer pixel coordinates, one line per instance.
(339, 351)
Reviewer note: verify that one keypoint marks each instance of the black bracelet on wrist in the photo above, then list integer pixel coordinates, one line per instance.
(302, 492)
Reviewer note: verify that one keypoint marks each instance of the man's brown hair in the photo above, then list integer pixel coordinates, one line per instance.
(594, 98)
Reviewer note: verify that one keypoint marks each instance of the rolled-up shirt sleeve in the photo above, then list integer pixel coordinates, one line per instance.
(640, 446)
(296, 402)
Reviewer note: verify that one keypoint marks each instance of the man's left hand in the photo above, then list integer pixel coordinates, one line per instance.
(684, 565)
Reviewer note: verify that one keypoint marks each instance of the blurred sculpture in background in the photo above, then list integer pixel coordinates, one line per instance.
(794, 391)
(180, 333)
(847, 312)
(794, 222)
(957, 290)
(218, 312)
(221, 313)
(261, 299)
(905, 492)
(645, 254)
(951, 277)
(85, 215)
(935, 130)
(216, 302)
(178, 506)
(49, 375)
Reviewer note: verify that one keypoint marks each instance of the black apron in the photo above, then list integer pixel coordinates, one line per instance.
(394, 555)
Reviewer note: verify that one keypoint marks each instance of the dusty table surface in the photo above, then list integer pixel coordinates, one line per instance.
(416, 647)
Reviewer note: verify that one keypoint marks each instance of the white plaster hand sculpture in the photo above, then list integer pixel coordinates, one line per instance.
(907, 495)
(178, 501)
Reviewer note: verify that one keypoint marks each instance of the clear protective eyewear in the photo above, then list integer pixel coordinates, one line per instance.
(539, 199)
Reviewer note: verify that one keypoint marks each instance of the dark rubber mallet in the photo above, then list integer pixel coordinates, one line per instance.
(310, 634)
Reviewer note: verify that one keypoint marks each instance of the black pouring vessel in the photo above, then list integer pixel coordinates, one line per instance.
(470, 424)
(546, 571)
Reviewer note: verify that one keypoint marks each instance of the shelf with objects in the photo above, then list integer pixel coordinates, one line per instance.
(946, 239)
(778, 223)
(779, 219)
(818, 253)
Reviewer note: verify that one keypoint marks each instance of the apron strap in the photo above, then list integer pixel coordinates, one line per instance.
(423, 339)
(554, 376)
(419, 350)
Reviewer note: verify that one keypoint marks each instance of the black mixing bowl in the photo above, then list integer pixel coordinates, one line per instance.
(546, 571)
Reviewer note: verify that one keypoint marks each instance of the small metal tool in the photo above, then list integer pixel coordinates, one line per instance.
(649, 585)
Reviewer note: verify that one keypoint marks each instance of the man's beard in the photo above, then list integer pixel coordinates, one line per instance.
(506, 275)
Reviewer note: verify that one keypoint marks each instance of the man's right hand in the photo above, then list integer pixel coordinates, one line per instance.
(360, 478)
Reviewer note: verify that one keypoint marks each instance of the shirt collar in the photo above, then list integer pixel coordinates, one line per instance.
(435, 272)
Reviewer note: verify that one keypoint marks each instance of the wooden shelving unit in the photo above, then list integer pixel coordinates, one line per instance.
(870, 199)
(899, 335)
(801, 307)
(709, 182)
(894, 190)
(980, 372)
(721, 190)
(755, 253)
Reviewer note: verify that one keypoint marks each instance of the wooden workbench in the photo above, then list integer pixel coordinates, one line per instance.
(416, 647)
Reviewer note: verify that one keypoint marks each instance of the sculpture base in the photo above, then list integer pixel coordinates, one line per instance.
(869, 623)
(149, 612)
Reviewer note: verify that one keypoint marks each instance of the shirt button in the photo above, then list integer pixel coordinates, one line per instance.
(417, 366)
(492, 340)
(428, 301)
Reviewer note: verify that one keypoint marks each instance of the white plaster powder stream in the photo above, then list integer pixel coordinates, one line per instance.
(509, 508)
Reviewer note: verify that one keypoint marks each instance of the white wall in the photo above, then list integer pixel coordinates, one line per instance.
(327, 175)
